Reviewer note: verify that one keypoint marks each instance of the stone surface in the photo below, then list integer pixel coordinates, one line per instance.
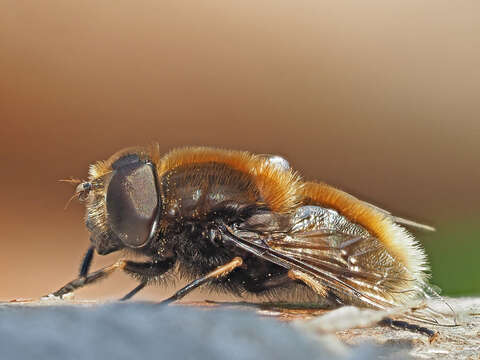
(89, 330)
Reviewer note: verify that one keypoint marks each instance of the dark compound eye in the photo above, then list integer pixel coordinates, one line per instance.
(132, 201)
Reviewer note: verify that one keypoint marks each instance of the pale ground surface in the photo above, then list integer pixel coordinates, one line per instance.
(82, 329)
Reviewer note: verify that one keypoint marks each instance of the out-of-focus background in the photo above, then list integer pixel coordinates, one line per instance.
(378, 98)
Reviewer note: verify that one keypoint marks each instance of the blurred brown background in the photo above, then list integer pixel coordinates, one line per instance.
(380, 98)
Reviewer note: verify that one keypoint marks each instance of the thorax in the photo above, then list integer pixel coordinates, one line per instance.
(195, 191)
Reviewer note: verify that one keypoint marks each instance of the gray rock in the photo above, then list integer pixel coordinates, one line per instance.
(140, 330)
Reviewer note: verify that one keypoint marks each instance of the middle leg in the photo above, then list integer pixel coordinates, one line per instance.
(219, 272)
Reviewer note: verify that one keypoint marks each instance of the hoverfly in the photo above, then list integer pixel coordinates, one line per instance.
(247, 224)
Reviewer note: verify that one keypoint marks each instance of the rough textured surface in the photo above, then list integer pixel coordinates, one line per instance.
(85, 330)
(353, 326)
(458, 342)
(132, 331)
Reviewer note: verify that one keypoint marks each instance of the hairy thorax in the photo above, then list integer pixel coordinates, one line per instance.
(194, 192)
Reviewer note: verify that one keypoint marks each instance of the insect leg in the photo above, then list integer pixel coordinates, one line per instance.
(397, 324)
(145, 272)
(86, 262)
(89, 279)
(403, 325)
(308, 280)
(141, 270)
(134, 291)
(221, 271)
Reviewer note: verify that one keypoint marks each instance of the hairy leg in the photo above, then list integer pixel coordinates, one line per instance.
(219, 272)
(396, 324)
(141, 270)
(403, 325)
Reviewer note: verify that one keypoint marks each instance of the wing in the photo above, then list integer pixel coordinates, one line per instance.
(330, 254)
(400, 220)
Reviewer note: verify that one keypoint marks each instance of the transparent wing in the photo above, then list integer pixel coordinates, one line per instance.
(403, 221)
(333, 254)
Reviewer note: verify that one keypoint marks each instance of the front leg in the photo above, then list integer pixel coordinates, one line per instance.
(86, 262)
(144, 271)
(90, 278)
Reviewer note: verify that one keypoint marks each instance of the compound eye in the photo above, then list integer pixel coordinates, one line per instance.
(132, 202)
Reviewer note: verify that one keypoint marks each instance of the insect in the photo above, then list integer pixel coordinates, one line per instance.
(245, 224)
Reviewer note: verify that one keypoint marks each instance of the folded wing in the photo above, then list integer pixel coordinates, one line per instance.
(337, 255)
